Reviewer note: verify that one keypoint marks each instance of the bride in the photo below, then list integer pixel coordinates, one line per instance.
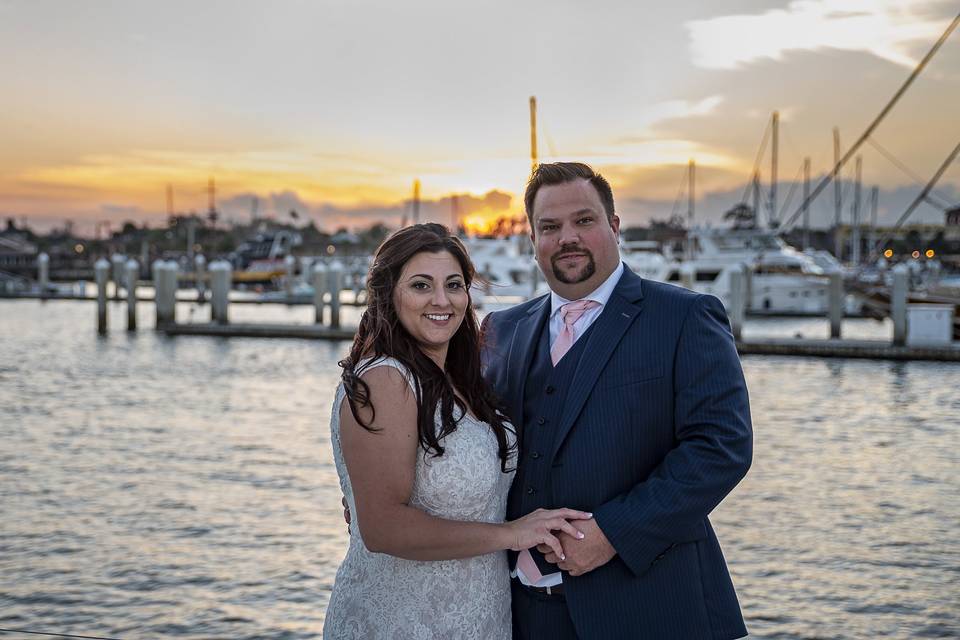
(425, 459)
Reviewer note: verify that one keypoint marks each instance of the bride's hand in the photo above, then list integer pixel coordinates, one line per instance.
(537, 527)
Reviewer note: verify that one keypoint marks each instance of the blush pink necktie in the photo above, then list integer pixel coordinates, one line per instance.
(569, 313)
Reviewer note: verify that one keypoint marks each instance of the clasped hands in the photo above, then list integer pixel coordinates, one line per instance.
(581, 555)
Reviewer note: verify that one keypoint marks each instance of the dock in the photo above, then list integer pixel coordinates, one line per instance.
(845, 348)
(259, 330)
(835, 348)
(51, 297)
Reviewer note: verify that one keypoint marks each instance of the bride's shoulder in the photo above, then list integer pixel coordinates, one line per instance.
(384, 371)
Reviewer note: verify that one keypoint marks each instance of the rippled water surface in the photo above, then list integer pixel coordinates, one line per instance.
(155, 487)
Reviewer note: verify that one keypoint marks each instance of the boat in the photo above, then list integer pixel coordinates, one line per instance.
(260, 258)
(781, 280)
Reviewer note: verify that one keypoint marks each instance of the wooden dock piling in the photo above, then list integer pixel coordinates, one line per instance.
(101, 270)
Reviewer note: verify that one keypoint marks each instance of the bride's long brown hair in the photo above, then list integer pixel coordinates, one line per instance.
(381, 335)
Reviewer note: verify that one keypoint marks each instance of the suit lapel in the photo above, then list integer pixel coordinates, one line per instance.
(525, 338)
(621, 310)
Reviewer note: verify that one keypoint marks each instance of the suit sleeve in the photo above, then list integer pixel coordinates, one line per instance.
(713, 446)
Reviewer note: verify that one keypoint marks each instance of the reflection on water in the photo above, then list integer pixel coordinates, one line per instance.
(185, 487)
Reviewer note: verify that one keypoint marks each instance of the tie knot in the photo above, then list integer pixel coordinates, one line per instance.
(571, 311)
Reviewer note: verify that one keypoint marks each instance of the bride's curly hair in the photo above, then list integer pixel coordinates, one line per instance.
(381, 335)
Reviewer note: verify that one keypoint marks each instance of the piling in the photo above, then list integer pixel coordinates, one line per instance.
(738, 302)
(319, 281)
(119, 262)
(290, 263)
(686, 275)
(165, 284)
(356, 280)
(221, 276)
(334, 286)
(747, 287)
(43, 273)
(836, 304)
(200, 280)
(133, 274)
(534, 279)
(898, 304)
(101, 270)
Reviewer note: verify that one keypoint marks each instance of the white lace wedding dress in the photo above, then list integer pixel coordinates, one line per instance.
(380, 596)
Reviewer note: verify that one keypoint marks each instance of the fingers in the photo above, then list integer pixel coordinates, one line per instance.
(570, 530)
(550, 556)
(566, 514)
(573, 514)
(551, 541)
(544, 549)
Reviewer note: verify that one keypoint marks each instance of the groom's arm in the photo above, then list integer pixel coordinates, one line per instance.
(713, 452)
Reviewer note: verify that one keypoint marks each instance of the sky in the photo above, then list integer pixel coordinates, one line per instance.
(334, 107)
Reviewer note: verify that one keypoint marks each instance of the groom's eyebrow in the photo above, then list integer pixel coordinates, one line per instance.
(578, 212)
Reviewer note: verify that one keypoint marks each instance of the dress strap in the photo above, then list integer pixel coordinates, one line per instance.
(368, 364)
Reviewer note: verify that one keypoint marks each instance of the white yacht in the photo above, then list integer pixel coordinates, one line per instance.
(506, 268)
(782, 280)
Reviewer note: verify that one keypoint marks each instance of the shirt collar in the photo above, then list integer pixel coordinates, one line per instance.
(601, 294)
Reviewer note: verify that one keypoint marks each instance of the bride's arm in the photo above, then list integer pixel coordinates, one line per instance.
(381, 465)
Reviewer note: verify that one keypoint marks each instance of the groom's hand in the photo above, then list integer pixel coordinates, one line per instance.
(582, 556)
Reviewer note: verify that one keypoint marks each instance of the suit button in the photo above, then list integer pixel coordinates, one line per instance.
(531, 491)
(549, 389)
(535, 455)
(542, 421)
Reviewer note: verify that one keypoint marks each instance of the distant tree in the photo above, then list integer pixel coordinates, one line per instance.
(742, 215)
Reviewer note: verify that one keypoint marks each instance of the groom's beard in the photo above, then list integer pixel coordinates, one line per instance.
(585, 272)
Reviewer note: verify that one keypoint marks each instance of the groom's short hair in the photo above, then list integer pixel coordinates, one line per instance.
(561, 172)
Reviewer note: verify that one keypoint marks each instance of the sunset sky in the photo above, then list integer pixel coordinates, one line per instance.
(333, 108)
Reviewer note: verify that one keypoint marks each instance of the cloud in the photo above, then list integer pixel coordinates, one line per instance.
(884, 28)
(331, 215)
(671, 110)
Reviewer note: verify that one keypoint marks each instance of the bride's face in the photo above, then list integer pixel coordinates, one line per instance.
(431, 299)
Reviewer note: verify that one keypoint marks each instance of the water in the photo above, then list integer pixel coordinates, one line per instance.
(155, 487)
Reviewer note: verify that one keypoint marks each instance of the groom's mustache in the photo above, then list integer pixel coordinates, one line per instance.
(570, 250)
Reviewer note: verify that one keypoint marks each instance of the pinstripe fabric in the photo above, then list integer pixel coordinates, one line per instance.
(654, 432)
(538, 616)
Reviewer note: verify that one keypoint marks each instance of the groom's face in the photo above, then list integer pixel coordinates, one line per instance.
(575, 243)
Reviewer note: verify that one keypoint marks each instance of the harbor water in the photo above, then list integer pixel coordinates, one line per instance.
(155, 487)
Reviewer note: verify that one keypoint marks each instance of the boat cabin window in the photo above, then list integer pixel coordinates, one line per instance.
(707, 276)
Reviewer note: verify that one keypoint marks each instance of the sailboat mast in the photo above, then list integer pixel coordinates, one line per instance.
(533, 133)
(416, 201)
(774, 157)
(855, 235)
(756, 197)
(837, 198)
(806, 203)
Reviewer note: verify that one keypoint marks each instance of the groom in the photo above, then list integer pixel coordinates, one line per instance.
(630, 402)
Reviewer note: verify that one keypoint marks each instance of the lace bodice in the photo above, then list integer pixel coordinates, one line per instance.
(380, 596)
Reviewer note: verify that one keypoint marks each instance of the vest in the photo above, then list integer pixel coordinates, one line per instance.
(544, 393)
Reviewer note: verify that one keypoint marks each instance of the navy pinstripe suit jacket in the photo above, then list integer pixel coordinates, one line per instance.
(655, 431)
